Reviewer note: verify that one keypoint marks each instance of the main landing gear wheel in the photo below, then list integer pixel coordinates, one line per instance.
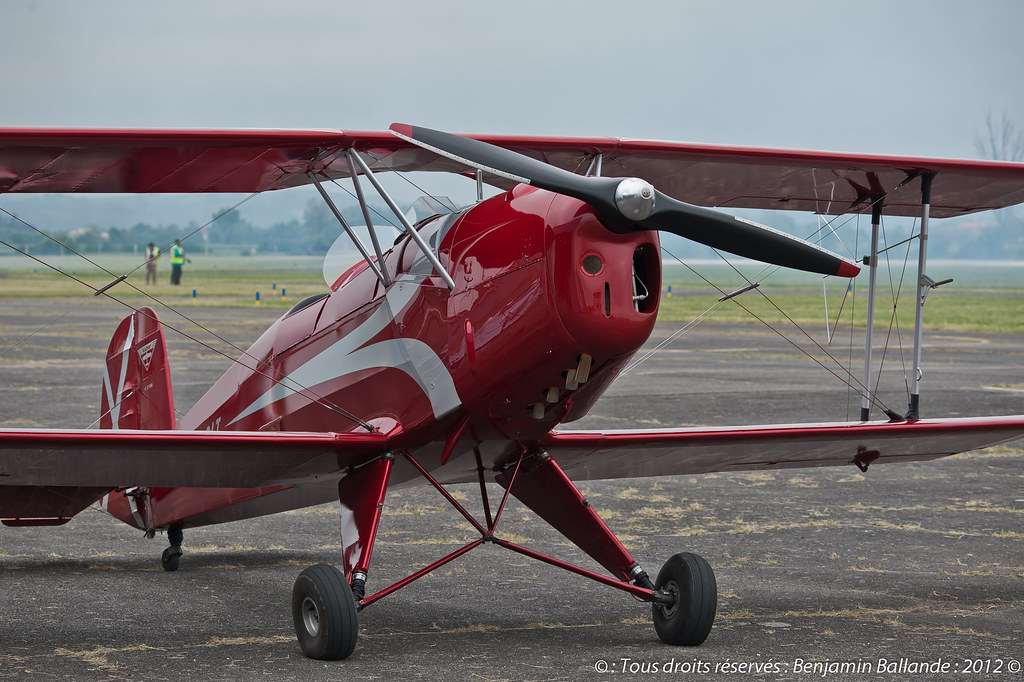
(324, 613)
(690, 580)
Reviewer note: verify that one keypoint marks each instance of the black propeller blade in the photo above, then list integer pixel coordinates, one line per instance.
(628, 204)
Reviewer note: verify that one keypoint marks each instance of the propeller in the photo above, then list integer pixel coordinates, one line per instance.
(632, 204)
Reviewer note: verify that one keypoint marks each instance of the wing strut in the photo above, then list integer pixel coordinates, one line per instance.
(872, 262)
(924, 284)
(409, 229)
(352, 235)
(364, 207)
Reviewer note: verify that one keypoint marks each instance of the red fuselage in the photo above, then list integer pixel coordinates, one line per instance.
(539, 285)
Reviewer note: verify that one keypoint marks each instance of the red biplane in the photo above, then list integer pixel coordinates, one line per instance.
(453, 355)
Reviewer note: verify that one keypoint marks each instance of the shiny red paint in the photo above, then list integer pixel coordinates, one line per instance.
(545, 489)
(136, 378)
(522, 290)
(362, 493)
(542, 486)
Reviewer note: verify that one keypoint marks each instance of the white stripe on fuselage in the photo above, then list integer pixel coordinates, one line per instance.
(346, 356)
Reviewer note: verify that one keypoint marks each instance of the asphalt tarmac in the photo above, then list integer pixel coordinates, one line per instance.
(912, 571)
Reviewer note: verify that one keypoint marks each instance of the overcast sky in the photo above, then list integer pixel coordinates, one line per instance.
(891, 77)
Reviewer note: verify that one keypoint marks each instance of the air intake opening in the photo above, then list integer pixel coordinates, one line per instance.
(646, 278)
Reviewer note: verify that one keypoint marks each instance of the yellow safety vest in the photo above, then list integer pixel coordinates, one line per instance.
(177, 255)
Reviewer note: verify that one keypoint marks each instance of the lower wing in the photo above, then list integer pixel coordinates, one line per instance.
(588, 455)
(48, 476)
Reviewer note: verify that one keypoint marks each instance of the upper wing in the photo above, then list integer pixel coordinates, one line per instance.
(140, 161)
(153, 161)
(588, 455)
(819, 182)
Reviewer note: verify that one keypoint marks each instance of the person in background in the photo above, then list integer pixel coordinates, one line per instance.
(152, 255)
(177, 260)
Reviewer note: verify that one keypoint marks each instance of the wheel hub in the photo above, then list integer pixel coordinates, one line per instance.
(310, 617)
(669, 610)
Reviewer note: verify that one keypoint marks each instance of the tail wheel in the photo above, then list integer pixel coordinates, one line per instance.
(690, 580)
(172, 555)
(324, 613)
(171, 558)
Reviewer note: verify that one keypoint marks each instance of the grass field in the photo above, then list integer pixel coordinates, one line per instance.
(983, 296)
(227, 281)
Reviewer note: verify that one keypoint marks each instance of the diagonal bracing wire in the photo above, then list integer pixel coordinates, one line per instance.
(849, 380)
(304, 390)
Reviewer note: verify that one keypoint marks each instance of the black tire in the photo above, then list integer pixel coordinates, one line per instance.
(689, 620)
(324, 613)
(170, 558)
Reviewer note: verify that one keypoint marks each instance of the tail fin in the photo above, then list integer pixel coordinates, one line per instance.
(136, 379)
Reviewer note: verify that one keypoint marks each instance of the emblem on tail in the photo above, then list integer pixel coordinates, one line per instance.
(136, 390)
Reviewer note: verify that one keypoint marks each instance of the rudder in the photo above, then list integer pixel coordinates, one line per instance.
(136, 392)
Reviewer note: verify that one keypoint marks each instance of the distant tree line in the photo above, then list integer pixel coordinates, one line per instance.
(995, 236)
(312, 234)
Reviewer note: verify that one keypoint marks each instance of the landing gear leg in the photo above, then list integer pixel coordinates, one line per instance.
(172, 555)
(324, 603)
(684, 596)
(690, 581)
(542, 486)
